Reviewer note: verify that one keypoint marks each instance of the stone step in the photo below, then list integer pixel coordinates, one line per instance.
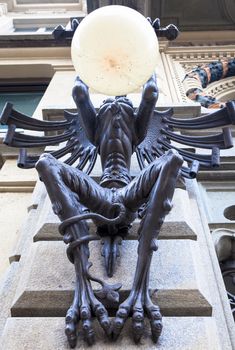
(216, 175)
(48, 279)
(179, 333)
(178, 223)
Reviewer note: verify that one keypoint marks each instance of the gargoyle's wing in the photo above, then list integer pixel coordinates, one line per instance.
(77, 150)
(166, 132)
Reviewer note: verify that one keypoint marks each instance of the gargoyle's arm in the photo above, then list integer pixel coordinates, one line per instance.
(146, 108)
(85, 108)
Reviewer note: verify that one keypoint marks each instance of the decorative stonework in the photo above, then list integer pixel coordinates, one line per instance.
(188, 58)
(222, 88)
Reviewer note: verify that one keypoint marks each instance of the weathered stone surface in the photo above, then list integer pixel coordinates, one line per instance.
(12, 213)
(178, 223)
(187, 333)
(48, 278)
(12, 176)
(25, 236)
(7, 292)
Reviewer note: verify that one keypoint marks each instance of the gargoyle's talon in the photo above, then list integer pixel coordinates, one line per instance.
(105, 324)
(156, 328)
(138, 324)
(71, 321)
(138, 330)
(119, 321)
(118, 324)
(89, 334)
(155, 317)
(104, 321)
(71, 333)
(87, 328)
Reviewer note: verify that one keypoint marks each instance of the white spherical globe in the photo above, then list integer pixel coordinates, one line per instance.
(114, 50)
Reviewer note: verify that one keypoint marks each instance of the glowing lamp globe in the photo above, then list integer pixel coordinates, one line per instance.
(114, 50)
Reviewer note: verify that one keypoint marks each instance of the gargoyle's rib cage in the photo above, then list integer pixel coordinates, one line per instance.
(163, 129)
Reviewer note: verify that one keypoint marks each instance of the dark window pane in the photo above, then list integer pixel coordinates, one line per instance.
(25, 102)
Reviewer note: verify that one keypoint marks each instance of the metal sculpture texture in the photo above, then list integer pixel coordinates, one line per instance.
(115, 133)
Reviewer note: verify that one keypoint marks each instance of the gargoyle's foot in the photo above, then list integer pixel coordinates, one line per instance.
(138, 305)
(110, 251)
(85, 305)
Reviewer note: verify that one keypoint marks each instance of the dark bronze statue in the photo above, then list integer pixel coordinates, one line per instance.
(115, 131)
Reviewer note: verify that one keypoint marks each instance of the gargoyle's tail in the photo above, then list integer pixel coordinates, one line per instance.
(110, 251)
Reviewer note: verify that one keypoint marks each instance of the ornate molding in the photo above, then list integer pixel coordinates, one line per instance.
(221, 88)
(189, 57)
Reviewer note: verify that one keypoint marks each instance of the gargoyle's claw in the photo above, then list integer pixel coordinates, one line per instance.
(138, 324)
(71, 321)
(156, 329)
(119, 321)
(155, 318)
(71, 333)
(104, 321)
(88, 331)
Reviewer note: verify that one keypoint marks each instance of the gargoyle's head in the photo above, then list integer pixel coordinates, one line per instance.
(119, 104)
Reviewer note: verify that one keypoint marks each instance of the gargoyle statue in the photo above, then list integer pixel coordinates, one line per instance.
(115, 132)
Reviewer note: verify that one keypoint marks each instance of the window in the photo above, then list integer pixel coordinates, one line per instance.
(24, 96)
(30, 18)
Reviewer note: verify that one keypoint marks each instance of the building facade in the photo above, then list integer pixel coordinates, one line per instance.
(195, 260)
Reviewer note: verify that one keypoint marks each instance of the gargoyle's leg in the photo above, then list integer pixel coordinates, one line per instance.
(156, 184)
(68, 188)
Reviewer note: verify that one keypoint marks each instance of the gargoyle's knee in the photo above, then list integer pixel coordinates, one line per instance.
(45, 162)
(175, 157)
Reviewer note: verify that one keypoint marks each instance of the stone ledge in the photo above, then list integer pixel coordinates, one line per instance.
(170, 230)
(188, 333)
(14, 189)
(178, 223)
(178, 303)
(48, 278)
(219, 175)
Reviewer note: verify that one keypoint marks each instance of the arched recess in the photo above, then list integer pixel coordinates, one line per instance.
(223, 90)
(212, 84)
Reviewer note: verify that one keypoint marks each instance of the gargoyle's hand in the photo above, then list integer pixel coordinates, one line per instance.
(150, 90)
(80, 90)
